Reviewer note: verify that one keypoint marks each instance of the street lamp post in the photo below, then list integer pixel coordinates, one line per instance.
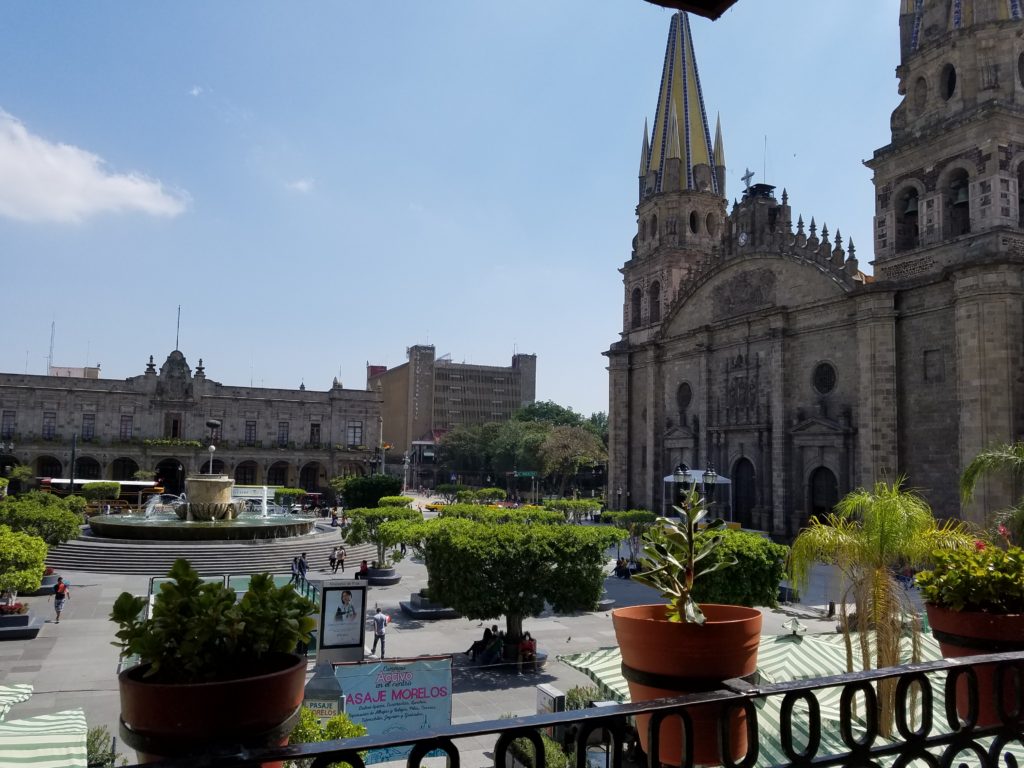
(710, 478)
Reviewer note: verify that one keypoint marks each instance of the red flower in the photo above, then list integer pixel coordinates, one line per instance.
(979, 544)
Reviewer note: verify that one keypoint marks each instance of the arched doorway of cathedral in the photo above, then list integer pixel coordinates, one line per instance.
(309, 477)
(277, 473)
(48, 466)
(822, 492)
(743, 493)
(246, 473)
(218, 467)
(87, 468)
(123, 468)
(170, 474)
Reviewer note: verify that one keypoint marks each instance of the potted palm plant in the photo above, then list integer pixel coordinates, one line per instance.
(680, 646)
(212, 669)
(870, 538)
(975, 603)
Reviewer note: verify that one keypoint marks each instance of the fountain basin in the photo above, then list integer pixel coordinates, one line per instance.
(209, 498)
(241, 528)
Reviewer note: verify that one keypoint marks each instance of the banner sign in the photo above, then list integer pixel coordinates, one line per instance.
(342, 611)
(397, 696)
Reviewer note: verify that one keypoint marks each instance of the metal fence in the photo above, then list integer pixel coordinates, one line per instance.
(927, 728)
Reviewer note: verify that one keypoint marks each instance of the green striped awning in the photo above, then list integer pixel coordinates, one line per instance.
(13, 694)
(781, 658)
(46, 741)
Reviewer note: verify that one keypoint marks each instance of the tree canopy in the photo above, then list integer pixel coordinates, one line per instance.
(40, 514)
(22, 561)
(485, 570)
(368, 527)
(365, 490)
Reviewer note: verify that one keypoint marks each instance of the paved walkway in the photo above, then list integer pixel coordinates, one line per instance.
(73, 664)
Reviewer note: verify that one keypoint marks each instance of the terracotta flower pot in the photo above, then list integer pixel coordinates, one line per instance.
(970, 633)
(703, 655)
(180, 718)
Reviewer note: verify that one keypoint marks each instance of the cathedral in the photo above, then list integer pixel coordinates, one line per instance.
(756, 345)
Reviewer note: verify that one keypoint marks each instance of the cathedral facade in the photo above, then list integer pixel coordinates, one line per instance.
(756, 345)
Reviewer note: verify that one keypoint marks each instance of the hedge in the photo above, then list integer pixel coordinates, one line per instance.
(753, 580)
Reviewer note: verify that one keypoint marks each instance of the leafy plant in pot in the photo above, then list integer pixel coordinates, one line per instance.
(682, 647)
(975, 604)
(213, 669)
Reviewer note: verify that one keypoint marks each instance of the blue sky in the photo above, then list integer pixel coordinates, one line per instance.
(323, 184)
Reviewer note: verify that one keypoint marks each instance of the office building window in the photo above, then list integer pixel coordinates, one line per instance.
(282, 434)
(49, 425)
(88, 427)
(126, 428)
(314, 435)
(7, 425)
(355, 433)
(250, 433)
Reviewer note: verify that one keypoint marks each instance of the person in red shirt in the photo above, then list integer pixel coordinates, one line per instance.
(60, 594)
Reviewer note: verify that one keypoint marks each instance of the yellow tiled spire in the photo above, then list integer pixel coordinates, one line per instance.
(680, 104)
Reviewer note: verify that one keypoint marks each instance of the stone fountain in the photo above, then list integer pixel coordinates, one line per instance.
(207, 497)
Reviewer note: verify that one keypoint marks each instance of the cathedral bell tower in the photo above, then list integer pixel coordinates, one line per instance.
(949, 214)
(681, 210)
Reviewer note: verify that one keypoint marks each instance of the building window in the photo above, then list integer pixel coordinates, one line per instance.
(907, 230)
(958, 204)
(49, 425)
(250, 433)
(636, 303)
(172, 425)
(355, 433)
(88, 427)
(824, 378)
(314, 435)
(282, 434)
(7, 425)
(126, 427)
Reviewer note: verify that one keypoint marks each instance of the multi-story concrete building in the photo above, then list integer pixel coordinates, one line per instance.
(762, 349)
(427, 396)
(158, 421)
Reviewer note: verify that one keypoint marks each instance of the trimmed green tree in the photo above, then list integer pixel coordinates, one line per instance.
(23, 477)
(366, 528)
(394, 501)
(285, 497)
(22, 561)
(574, 509)
(635, 522)
(492, 515)
(484, 571)
(447, 492)
(490, 495)
(759, 565)
(366, 490)
(40, 514)
(568, 449)
(102, 490)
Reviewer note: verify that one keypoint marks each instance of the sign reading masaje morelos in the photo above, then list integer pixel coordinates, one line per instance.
(397, 696)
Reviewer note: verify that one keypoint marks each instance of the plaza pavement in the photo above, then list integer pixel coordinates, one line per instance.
(73, 664)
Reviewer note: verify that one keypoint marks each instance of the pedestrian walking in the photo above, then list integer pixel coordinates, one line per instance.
(380, 624)
(303, 566)
(295, 571)
(341, 560)
(60, 594)
(333, 560)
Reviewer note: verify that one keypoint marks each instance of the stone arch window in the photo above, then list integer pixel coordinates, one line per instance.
(1020, 193)
(635, 305)
(711, 224)
(654, 227)
(823, 492)
(654, 299)
(824, 378)
(907, 231)
(694, 222)
(957, 203)
(684, 396)
(947, 82)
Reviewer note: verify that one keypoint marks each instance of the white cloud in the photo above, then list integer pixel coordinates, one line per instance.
(196, 90)
(302, 186)
(44, 181)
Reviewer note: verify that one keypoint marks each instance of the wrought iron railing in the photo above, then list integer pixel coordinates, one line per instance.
(939, 739)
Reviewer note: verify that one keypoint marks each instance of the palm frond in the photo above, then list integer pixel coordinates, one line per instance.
(1002, 458)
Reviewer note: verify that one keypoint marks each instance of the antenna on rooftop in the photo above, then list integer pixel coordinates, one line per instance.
(177, 329)
(49, 358)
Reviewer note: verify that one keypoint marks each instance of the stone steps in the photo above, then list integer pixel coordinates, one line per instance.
(154, 558)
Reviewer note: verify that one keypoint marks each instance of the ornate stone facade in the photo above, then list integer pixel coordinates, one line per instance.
(764, 350)
(158, 421)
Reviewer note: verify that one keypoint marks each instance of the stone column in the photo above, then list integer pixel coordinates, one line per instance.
(877, 455)
(779, 465)
(988, 321)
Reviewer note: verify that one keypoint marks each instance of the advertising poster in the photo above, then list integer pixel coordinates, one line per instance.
(341, 617)
(397, 697)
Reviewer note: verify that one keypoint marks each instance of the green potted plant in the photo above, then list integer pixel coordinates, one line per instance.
(682, 647)
(975, 603)
(212, 669)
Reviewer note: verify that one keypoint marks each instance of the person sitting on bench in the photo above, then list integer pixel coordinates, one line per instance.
(492, 654)
(479, 646)
(527, 652)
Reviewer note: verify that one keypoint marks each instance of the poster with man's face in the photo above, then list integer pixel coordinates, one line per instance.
(341, 617)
